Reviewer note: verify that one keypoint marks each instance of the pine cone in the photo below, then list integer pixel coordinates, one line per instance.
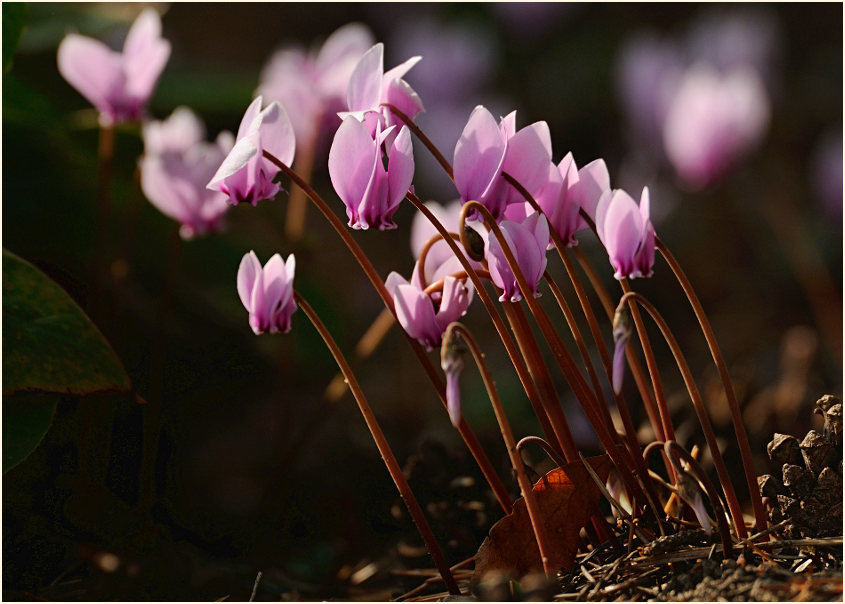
(808, 490)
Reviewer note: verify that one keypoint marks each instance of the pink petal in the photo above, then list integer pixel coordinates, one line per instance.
(365, 83)
(528, 154)
(143, 34)
(240, 155)
(249, 117)
(399, 71)
(248, 272)
(479, 155)
(594, 180)
(277, 136)
(90, 67)
(400, 168)
(351, 161)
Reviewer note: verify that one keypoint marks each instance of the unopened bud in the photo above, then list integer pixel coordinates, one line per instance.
(452, 363)
(475, 243)
(622, 331)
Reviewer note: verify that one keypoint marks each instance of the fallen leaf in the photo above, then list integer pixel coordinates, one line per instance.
(566, 498)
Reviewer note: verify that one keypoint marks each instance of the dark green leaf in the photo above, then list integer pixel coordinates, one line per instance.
(49, 344)
(14, 18)
(26, 418)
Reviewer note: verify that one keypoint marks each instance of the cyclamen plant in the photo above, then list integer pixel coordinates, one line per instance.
(514, 205)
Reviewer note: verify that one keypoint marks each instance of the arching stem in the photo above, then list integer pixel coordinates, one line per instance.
(760, 515)
(701, 413)
(537, 521)
(384, 449)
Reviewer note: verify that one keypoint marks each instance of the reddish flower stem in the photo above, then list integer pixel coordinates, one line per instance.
(466, 432)
(538, 524)
(384, 449)
(432, 148)
(760, 515)
(510, 347)
(698, 405)
(606, 433)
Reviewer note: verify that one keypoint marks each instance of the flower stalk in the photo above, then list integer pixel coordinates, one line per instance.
(384, 448)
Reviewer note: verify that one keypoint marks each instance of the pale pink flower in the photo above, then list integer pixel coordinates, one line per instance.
(267, 293)
(118, 84)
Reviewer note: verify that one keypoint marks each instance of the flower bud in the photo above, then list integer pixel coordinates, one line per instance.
(622, 330)
(475, 247)
(452, 363)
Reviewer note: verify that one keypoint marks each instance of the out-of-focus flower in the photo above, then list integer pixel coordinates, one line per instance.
(528, 241)
(713, 121)
(175, 168)
(246, 176)
(369, 87)
(267, 293)
(626, 231)
(118, 84)
(416, 310)
(311, 86)
(826, 172)
(370, 192)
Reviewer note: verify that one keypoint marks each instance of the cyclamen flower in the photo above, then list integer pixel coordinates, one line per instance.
(528, 241)
(712, 121)
(370, 86)
(487, 148)
(118, 84)
(175, 168)
(311, 86)
(416, 311)
(267, 293)
(370, 192)
(246, 176)
(567, 190)
(626, 231)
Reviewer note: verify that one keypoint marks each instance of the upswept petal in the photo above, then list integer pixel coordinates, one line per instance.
(178, 133)
(248, 272)
(277, 135)
(365, 83)
(143, 72)
(453, 303)
(90, 67)
(398, 72)
(394, 280)
(528, 154)
(479, 155)
(143, 34)
(593, 181)
(351, 163)
(240, 155)
(275, 278)
(246, 126)
(400, 94)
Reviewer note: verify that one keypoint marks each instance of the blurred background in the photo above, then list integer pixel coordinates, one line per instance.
(732, 115)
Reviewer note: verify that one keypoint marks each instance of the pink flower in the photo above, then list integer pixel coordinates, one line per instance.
(311, 86)
(175, 168)
(626, 231)
(528, 241)
(416, 310)
(713, 121)
(118, 84)
(566, 191)
(370, 86)
(246, 176)
(267, 293)
(487, 148)
(370, 192)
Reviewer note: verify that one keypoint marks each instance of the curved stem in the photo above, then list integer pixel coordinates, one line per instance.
(703, 420)
(513, 353)
(536, 518)
(606, 432)
(466, 432)
(423, 139)
(760, 515)
(384, 449)
(549, 450)
(424, 254)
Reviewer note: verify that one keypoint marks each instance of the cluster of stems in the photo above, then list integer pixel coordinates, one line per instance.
(536, 376)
